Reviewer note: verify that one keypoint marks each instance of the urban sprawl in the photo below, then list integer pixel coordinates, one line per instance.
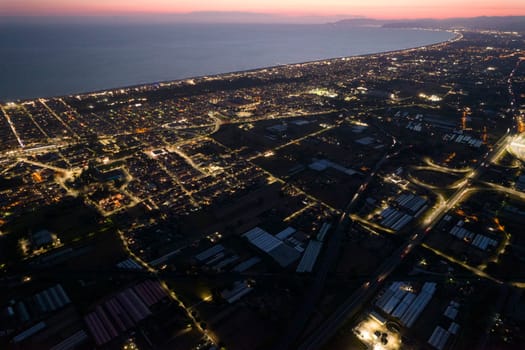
(372, 202)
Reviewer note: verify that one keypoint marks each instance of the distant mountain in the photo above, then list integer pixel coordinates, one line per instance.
(190, 17)
(361, 22)
(507, 23)
(252, 17)
(224, 17)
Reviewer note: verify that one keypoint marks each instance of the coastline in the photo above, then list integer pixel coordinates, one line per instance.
(166, 83)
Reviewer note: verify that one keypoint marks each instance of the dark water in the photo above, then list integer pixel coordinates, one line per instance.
(49, 60)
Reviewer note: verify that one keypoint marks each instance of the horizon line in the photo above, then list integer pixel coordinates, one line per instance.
(132, 14)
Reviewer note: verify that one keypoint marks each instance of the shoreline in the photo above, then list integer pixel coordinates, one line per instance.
(166, 83)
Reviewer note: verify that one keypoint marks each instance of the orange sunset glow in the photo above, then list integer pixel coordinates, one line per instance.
(371, 8)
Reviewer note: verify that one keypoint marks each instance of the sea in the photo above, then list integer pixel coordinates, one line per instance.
(44, 60)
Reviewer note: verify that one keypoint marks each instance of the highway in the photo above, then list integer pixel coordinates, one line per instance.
(356, 300)
(301, 318)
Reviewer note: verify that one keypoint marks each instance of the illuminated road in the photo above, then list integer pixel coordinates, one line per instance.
(355, 302)
(43, 102)
(325, 264)
(187, 158)
(290, 115)
(506, 190)
(12, 126)
(294, 141)
(437, 167)
(273, 178)
(179, 183)
(370, 224)
(170, 292)
(472, 269)
(452, 186)
(48, 166)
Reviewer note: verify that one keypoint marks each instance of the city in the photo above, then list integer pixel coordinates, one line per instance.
(368, 202)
